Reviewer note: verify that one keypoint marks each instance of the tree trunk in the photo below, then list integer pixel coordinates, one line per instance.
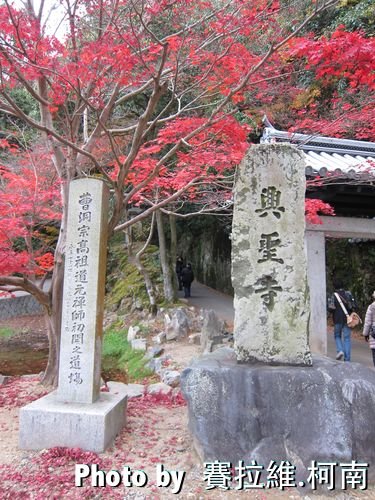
(172, 225)
(173, 229)
(54, 309)
(169, 291)
(53, 323)
(50, 376)
(148, 282)
(146, 276)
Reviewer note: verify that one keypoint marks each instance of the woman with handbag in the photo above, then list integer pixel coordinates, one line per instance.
(369, 327)
(343, 305)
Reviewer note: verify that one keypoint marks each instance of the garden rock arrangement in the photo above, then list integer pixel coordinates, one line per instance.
(203, 328)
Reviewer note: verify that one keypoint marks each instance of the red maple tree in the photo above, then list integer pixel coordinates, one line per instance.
(338, 99)
(145, 94)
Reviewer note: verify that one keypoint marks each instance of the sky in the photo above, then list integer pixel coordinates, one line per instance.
(53, 15)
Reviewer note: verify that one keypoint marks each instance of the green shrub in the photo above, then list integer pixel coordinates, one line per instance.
(6, 331)
(114, 343)
(119, 355)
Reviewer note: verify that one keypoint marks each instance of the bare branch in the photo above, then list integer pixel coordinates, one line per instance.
(158, 205)
(25, 284)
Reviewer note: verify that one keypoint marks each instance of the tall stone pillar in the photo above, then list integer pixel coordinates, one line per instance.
(77, 414)
(269, 273)
(83, 298)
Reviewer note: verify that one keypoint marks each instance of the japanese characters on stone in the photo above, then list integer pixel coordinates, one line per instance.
(269, 272)
(78, 263)
(83, 296)
(270, 206)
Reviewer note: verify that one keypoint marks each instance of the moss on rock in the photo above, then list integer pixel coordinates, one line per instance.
(125, 287)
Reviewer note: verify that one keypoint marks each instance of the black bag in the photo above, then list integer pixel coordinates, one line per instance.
(372, 331)
(351, 303)
(331, 303)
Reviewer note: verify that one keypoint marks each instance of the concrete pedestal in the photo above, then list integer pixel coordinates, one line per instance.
(48, 422)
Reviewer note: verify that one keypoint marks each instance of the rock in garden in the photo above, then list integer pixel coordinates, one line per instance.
(134, 390)
(177, 325)
(132, 332)
(212, 327)
(160, 338)
(195, 338)
(155, 365)
(159, 388)
(138, 344)
(109, 318)
(154, 352)
(137, 304)
(171, 377)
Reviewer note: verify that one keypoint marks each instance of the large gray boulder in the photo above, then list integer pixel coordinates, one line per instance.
(259, 412)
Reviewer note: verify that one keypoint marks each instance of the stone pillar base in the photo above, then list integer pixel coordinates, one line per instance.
(272, 413)
(47, 422)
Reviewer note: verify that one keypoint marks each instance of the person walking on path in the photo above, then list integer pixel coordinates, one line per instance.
(187, 278)
(342, 331)
(179, 268)
(369, 327)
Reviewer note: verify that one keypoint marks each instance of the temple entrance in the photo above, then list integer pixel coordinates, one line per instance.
(332, 227)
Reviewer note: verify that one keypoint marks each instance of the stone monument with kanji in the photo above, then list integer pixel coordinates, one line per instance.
(269, 272)
(268, 402)
(77, 414)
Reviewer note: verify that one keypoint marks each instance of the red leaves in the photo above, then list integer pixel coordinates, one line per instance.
(315, 206)
(29, 201)
(28, 51)
(348, 55)
(138, 405)
(209, 153)
(99, 86)
(340, 99)
(16, 392)
(60, 456)
(46, 261)
(50, 473)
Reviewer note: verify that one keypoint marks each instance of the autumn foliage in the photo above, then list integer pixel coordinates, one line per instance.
(30, 211)
(340, 98)
(159, 99)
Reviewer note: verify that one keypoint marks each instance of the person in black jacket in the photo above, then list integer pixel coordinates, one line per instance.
(341, 330)
(187, 278)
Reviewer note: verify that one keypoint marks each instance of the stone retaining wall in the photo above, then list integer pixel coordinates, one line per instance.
(19, 306)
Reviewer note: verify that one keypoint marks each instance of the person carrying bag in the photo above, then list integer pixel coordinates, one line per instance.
(352, 319)
(344, 319)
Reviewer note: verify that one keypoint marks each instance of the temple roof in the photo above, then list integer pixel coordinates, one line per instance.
(326, 154)
(346, 166)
